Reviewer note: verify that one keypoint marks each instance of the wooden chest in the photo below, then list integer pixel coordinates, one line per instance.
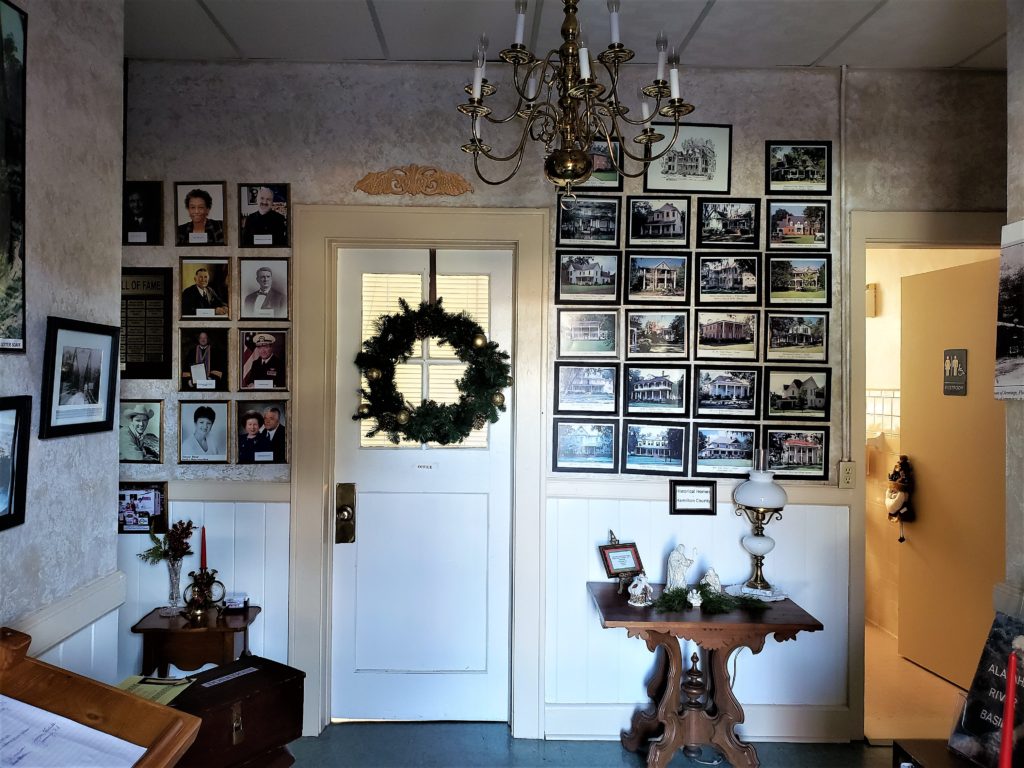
(250, 708)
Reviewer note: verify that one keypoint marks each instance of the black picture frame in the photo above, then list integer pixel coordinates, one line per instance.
(263, 215)
(656, 390)
(147, 446)
(796, 337)
(253, 279)
(588, 221)
(692, 497)
(13, 296)
(657, 334)
(213, 194)
(586, 388)
(727, 392)
(726, 334)
(587, 276)
(654, 448)
(651, 221)
(142, 216)
(142, 507)
(15, 425)
(803, 226)
(797, 393)
(723, 450)
(585, 446)
(80, 365)
(620, 560)
(604, 177)
(593, 332)
(727, 278)
(788, 280)
(145, 346)
(796, 452)
(732, 223)
(700, 161)
(657, 278)
(797, 167)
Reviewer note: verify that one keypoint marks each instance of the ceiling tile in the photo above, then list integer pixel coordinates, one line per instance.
(172, 29)
(990, 57)
(419, 30)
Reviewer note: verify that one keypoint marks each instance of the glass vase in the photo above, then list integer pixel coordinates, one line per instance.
(174, 588)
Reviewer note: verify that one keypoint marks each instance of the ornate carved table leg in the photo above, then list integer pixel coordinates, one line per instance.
(665, 718)
(728, 713)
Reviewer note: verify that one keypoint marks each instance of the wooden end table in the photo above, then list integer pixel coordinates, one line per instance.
(711, 712)
(174, 640)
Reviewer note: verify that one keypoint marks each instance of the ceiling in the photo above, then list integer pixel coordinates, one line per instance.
(895, 34)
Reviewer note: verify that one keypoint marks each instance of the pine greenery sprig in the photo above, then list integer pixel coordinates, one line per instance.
(174, 545)
(675, 601)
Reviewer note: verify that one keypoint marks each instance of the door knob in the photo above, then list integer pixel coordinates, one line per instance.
(345, 513)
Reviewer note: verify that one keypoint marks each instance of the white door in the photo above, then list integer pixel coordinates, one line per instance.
(421, 598)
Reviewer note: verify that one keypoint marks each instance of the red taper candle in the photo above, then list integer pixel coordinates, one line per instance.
(1006, 741)
(202, 548)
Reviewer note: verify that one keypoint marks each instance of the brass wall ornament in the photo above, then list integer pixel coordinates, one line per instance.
(413, 180)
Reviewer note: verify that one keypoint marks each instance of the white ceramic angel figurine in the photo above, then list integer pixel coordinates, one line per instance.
(712, 580)
(694, 598)
(640, 592)
(678, 565)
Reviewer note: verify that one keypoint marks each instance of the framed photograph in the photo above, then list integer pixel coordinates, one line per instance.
(799, 225)
(263, 359)
(620, 559)
(262, 431)
(800, 453)
(145, 347)
(142, 507)
(798, 393)
(12, 183)
(587, 277)
(656, 390)
(204, 360)
(79, 378)
(1009, 370)
(143, 215)
(732, 222)
(657, 334)
(727, 335)
(15, 424)
(725, 279)
(662, 222)
(589, 220)
(796, 337)
(799, 281)
(604, 177)
(200, 213)
(654, 448)
(723, 451)
(263, 215)
(584, 446)
(586, 388)
(141, 434)
(700, 159)
(726, 393)
(263, 286)
(203, 431)
(692, 497)
(205, 289)
(798, 167)
(654, 277)
(590, 333)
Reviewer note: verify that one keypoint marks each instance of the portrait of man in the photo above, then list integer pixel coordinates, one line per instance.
(205, 289)
(143, 213)
(139, 434)
(263, 215)
(200, 216)
(263, 359)
(268, 419)
(265, 288)
(204, 360)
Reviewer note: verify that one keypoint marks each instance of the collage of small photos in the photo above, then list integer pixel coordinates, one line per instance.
(693, 326)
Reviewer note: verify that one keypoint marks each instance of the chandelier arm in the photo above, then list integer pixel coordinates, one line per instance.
(485, 180)
(518, 151)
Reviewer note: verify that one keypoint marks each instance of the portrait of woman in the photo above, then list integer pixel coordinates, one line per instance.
(253, 445)
(203, 432)
(198, 222)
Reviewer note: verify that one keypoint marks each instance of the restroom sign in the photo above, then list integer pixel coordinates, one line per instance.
(954, 376)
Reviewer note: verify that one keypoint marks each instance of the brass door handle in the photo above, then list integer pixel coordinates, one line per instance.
(345, 513)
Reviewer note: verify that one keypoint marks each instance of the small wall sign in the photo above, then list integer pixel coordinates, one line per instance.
(954, 372)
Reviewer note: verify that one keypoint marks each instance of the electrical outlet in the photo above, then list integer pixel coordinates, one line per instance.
(847, 474)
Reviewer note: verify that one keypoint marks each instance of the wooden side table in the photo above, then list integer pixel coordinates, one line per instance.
(174, 640)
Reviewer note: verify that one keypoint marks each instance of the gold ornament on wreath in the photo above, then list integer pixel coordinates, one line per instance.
(481, 399)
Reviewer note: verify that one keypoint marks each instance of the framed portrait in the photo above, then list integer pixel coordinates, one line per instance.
(587, 277)
(12, 182)
(203, 431)
(590, 220)
(725, 392)
(203, 353)
(620, 559)
(657, 334)
(141, 435)
(201, 213)
(79, 378)
(661, 222)
(145, 347)
(656, 390)
(732, 222)
(263, 359)
(655, 277)
(728, 279)
(584, 446)
(700, 159)
(799, 281)
(586, 388)
(262, 427)
(692, 497)
(588, 333)
(796, 337)
(799, 225)
(723, 451)
(725, 335)
(654, 448)
(15, 424)
(804, 394)
(142, 507)
(263, 287)
(205, 289)
(604, 176)
(263, 215)
(143, 214)
(799, 453)
(798, 167)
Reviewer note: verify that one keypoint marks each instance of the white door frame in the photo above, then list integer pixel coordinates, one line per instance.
(319, 231)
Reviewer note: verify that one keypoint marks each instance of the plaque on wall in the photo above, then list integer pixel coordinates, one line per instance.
(146, 322)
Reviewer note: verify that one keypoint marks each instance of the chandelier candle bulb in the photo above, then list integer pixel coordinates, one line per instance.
(662, 45)
(645, 110)
(673, 76)
(613, 20)
(520, 20)
(478, 73)
(584, 64)
(532, 89)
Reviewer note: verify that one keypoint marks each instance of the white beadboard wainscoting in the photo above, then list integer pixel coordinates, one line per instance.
(88, 651)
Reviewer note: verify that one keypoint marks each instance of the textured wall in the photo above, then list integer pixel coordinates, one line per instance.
(73, 188)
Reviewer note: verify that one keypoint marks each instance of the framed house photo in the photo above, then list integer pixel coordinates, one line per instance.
(726, 392)
(727, 335)
(261, 427)
(143, 214)
(799, 225)
(145, 347)
(692, 497)
(205, 289)
(204, 359)
(728, 279)
(200, 213)
(700, 159)
(657, 334)
(79, 378)
(263, 359)
(803, 394)
(799, 453)
(604, 176)
(656, 390)
(654, 448)
(586, 388)
(203, 431)
(728, 222)
(15, 425)
(799, 281)
(587, 277)
(723, 451)
(588, 333)
(589, 221)
(141, 435)
(798, 167)
(796, 337)
(660, 222)
(620, 559)
(656, 277)
(584, 446)
(13, 331)
(263, 215)
(263, 288)
(142, 507)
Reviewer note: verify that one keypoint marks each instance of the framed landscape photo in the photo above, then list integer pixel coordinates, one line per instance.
(604, 176)
(263, 215)
(796, 337)
(12, 181)
(142, 507)
(723, 451)
(799, 225)
(584, 446)
(798, 167)
(654, 277)
(141, 435)
(79, 378)
(15, 424)
(725, 392)
(205, 289)
(204, 360)
(656, 390)
(588, 333)
(620, 560)
(589, 220)
(586, 388)
(203, 431)
(799, 453)
(727, 335)
(143, 214)
(263, 289)
(654, 448)
(700, 159)
(803, 394)
(657, 334)
(692, 497)
(261, 427)
(799, 281)
(587, 277)
(200, 213)
(661, 222)
(731, 222)
(728, 279)
(263, 359)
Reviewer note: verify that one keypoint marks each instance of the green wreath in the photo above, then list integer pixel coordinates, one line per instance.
(487, 373)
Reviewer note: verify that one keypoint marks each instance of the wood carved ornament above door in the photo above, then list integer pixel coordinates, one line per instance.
(413, 180)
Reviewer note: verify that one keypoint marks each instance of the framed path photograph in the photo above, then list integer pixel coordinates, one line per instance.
(799, 225)
(263, 215)
(799, 281)
(798, 167)
(203, 431)
(721, 451)
(661, 222)
(798, 393)
(589, 220)
(657, 334)
(727, 335)
(590, 333)
(796, 337)
(587, 277)
(654, 448)
(657, 277)
(15, 424)
(731, 222)
(700, 159)
(141, 435)
(200, 213)
(12, 181)
(728, 279)
(604, 176)
(1009, 370)
(584, 446)
(725, 392)
(656, 390)
(586, 388)
(799, 453)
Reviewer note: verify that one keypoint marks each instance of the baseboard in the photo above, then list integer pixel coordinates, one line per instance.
(1008, 599)
(59, 620)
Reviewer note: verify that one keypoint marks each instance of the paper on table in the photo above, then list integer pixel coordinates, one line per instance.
(198, 372)
(30, 736)
(161, 690)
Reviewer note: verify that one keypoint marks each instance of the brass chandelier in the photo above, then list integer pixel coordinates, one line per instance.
(560, 103)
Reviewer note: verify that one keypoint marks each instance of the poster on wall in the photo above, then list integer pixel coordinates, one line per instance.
(145, 323)
(13, 23)
(1009, 379)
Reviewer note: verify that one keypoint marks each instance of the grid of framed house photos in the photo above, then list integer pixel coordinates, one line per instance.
(692, 327)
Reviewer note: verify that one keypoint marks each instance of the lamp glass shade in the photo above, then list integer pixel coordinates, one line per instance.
(760, 492)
